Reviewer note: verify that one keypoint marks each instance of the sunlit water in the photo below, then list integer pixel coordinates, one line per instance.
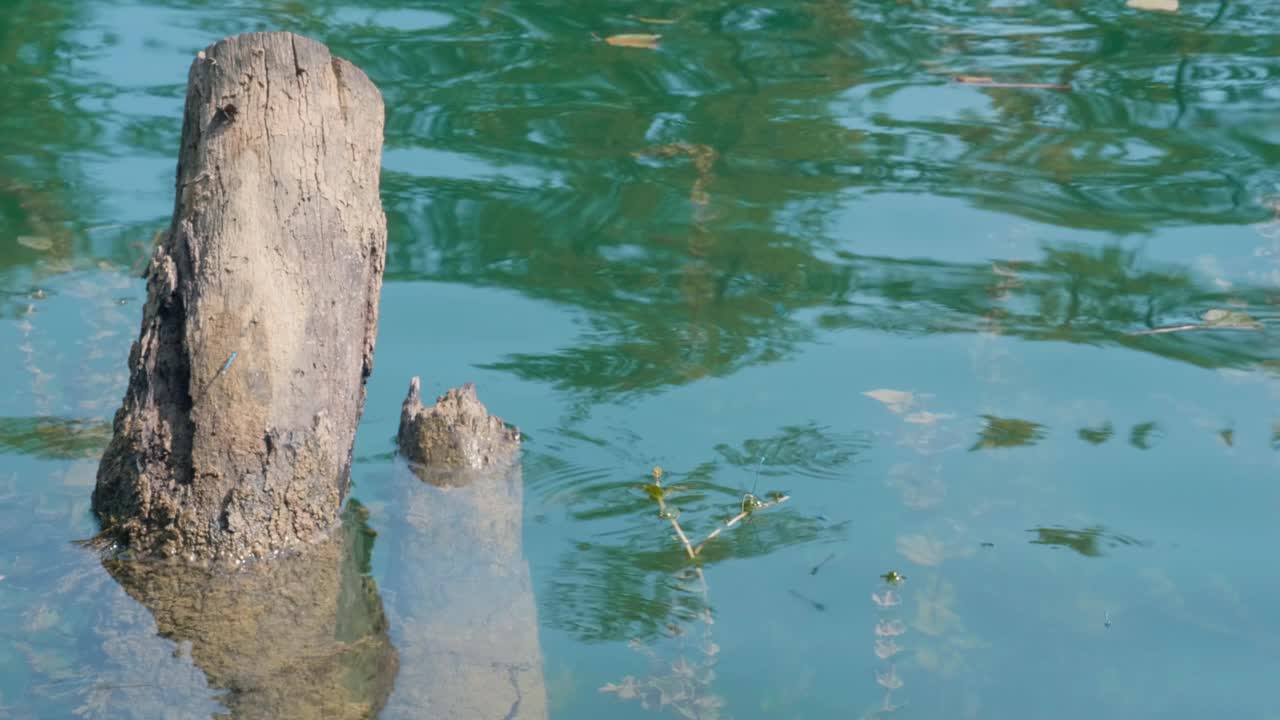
(785, 251)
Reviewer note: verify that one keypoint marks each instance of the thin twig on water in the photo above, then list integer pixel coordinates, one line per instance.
(750, 505)
(739, 518)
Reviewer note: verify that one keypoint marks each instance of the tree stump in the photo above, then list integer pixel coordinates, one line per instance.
(465, 614)
(248, 378)
(456, 434)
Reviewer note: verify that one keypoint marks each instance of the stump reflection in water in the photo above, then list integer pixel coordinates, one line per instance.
(299, 636)
(465, 613)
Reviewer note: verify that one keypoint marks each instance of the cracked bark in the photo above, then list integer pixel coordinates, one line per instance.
(275, 253)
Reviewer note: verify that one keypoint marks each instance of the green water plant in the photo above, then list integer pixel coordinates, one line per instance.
(749, 505)
(685, 685)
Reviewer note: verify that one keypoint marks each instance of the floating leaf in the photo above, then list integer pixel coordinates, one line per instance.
(897, 401)
(893, 577)
(1157, 5)
(986, 81)
(634, 40)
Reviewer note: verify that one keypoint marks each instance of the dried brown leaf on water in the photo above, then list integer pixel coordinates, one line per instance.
(634, 40)
(987, 81)
(1157, 5)
(653, 20)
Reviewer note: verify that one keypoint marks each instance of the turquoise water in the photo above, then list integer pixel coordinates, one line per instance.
(784, 251)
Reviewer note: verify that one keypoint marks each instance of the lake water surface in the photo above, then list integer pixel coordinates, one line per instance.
(786, 250)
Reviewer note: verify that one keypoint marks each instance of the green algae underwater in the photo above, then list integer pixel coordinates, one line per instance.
(1007, 345)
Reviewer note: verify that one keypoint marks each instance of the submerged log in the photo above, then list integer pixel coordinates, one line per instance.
(465, 616)
(248, 378)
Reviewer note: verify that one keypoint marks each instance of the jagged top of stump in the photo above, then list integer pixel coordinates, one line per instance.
(456, 433)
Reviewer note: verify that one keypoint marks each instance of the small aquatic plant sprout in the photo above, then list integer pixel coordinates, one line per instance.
(749, 505)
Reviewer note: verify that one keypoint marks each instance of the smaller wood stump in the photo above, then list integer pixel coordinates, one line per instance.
(247, 380)
(457, 433)
(466, 617)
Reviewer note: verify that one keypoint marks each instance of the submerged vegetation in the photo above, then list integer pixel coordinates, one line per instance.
(685, 684)
(749, 505)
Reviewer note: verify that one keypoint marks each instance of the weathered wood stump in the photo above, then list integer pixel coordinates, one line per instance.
(465, 612)
(456, 435)
(247, 380)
